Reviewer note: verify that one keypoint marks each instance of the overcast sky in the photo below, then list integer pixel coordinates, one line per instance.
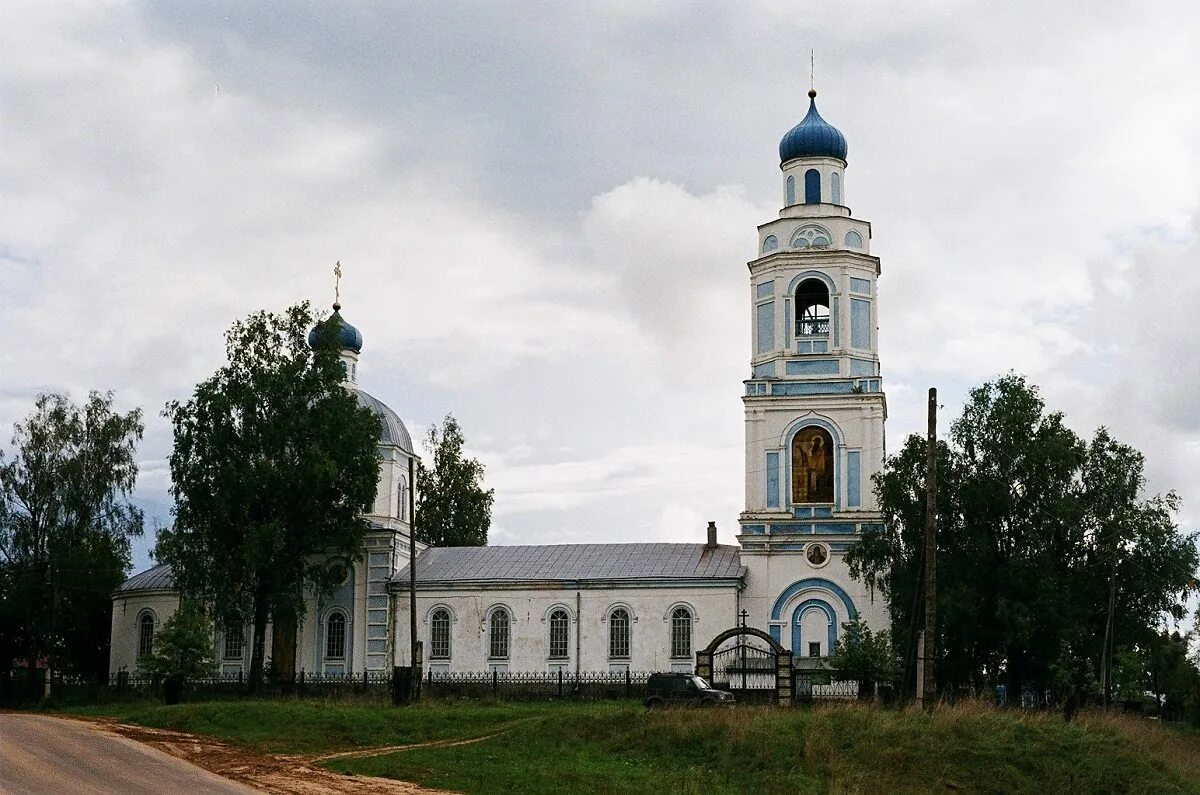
(544, 214)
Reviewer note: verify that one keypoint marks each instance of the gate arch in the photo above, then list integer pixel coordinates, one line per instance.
(781, 659)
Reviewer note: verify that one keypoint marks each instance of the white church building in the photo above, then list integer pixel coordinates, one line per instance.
(815, 412)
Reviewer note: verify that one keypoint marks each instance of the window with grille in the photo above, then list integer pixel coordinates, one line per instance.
(335, 636)
(559, 631)
(234, 642)
(498, 630)
(439, 635)
(681, 632)
(145, 635)
(618, 633)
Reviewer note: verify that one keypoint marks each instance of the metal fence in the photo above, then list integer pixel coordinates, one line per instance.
(817, 687)
(537, 685)
(368, 685)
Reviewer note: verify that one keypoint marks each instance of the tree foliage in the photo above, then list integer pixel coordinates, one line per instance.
(1034, 525)
(453, 509)
(274, 462)
(183, 646)
(864, 657)
(65, 529)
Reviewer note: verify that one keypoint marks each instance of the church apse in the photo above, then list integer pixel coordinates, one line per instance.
(812, 466)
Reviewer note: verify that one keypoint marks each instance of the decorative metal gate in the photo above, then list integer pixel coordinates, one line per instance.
(746, 666)
(749, 663)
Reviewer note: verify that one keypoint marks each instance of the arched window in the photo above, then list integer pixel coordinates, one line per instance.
(439, 634)
(335, 636)
(498, 632)
(853, 239)
(235, 643)
(812, 309)
(402, 499)
(618, 634)
(812, 466)
(835, 184)
(146, 634)
(560, 628)
(770, 243)
(812, 186)
(681, 632)
(791, 190)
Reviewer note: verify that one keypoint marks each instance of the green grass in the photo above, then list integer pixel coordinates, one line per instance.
(620, 747)
(312, 727)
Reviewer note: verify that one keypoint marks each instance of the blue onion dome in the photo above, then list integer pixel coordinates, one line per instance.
(348, 337)
(812, 137)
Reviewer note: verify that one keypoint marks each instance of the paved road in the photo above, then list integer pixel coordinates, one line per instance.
(41, 754)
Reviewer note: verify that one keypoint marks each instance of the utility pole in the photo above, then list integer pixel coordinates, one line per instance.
(412, 572)
(927, 686)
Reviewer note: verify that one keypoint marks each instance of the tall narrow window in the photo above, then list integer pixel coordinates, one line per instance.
(812, 186)
(812, 466)
(402, 499)
(439, 634)
(560, 627)
(145, 635)
(618, 634)
(681, 632)
(335, 636)
(791, 190)
(835, 185)
(235, 643)
(498, 631)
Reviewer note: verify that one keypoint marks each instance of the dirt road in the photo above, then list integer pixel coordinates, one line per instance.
(41, 754)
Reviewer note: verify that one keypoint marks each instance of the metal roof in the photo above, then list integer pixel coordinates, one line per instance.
(571, 562)
(391, 427)
(812, 137)
(159, 578)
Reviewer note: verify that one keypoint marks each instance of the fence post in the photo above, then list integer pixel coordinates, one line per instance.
(495, 681)
(560, 683)
(628, 691)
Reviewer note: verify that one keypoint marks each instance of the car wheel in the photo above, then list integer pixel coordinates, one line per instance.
(653, 703)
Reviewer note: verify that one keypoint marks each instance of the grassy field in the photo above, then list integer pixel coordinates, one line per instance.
(585, 748)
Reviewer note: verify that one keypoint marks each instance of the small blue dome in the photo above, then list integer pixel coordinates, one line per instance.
(348, 337)
(812, 137)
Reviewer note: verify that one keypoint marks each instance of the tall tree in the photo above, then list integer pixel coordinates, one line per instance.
(65, 529)
(1039, 534)
(274, 463)
(453, 509)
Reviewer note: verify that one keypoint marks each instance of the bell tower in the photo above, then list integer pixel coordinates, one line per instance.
(814, 400)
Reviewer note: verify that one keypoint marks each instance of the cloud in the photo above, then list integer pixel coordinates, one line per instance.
(545, 217)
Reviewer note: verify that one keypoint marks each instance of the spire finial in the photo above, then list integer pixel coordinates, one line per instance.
(812, 73)
(337, 283)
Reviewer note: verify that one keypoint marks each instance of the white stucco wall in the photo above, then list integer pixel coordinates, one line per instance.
(714, 609)
(123, 648)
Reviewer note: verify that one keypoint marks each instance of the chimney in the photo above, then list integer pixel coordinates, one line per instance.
(712, 536)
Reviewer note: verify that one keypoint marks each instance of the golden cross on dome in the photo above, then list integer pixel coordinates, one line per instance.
(337, 282)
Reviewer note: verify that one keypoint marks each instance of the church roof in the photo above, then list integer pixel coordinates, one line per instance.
(391, 427)
(159, 578)
(812, 137)
(574, 562)
(348, 337)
